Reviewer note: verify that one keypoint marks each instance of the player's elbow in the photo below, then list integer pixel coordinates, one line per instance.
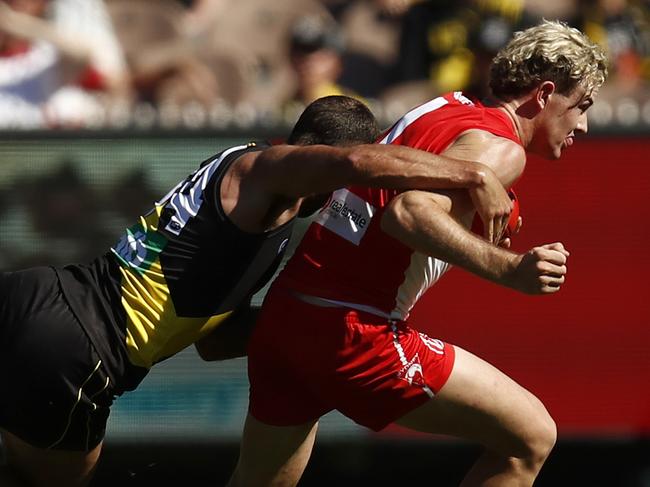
(367, 165)
(401, 214)
(212, 352)
(390, 220)
(411, 216)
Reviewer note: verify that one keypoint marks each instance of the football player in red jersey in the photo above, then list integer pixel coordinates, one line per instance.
(344, 298)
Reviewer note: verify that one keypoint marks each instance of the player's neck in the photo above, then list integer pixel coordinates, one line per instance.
(522, 124)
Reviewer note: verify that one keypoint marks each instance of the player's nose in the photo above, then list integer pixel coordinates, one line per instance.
(583, 124)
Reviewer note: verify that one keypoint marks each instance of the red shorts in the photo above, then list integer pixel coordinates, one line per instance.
(306, 360)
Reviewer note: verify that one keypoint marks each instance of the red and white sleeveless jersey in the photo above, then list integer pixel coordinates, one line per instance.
(345, 259)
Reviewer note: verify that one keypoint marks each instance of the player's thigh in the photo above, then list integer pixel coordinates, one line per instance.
(481, 403)
(273, 455)
(55, 391)
(42, 467)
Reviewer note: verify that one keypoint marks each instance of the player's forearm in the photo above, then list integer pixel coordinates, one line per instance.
(428, 228)
(400, 167)
(301, 171)
(230, 338)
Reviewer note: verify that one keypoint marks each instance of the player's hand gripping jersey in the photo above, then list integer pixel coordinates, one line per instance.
(346, 259)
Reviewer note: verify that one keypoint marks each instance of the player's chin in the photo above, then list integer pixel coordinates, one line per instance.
(551, 152)
(556, 152)
(561, 147)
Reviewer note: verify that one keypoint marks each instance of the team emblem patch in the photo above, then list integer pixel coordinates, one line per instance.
(138, 248)
(412, 372)
(433, 344)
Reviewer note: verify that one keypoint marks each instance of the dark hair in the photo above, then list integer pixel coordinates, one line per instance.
(335, 120)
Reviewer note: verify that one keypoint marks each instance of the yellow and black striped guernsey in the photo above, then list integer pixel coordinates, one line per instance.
(173, 276)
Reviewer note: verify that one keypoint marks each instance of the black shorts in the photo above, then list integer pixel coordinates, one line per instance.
(54, 391)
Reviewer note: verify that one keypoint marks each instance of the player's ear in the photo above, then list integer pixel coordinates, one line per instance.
(543, 93)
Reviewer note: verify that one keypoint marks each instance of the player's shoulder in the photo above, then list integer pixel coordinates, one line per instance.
(504, 156)
(252, 147)
(493, 143)
(245, 155)
(230, 157)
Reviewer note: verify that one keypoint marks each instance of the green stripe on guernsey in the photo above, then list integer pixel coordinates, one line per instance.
(138, 248)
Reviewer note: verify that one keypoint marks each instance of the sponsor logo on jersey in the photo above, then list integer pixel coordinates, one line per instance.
(346, 215)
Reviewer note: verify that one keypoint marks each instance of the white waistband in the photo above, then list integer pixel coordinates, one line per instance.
(333, 303)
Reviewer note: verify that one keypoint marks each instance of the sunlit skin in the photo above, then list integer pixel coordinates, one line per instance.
(548, 121)
(563, 117)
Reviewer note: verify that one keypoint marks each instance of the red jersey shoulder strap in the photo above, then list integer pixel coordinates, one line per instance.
(434, 125)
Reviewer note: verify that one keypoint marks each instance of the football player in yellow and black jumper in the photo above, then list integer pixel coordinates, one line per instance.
(73, 338)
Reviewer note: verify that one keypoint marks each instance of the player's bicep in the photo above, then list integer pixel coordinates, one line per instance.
(293, 171)
(276, 167)
(412, 216)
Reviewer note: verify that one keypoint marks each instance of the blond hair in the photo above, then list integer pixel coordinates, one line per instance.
(550, 51)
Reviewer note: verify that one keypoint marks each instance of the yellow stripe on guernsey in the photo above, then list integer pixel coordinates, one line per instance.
(153, 330)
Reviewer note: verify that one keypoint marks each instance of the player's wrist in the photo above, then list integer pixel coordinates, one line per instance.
(478, 175)
(504, 265)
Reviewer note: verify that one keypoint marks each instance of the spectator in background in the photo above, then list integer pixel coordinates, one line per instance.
(449, 42)
(553, 9)
(169, 55)
(49, 69)
(254, 35)
(90, 21)
(372, 30)
(622, 27)
(316, 49)
(200, 15)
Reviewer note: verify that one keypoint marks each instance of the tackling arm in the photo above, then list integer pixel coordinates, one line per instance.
(230, 338)
(298, 171)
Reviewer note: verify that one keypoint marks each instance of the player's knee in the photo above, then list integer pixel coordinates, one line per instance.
(540, 438)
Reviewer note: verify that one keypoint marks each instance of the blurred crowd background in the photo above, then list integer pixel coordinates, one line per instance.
(217, 63)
